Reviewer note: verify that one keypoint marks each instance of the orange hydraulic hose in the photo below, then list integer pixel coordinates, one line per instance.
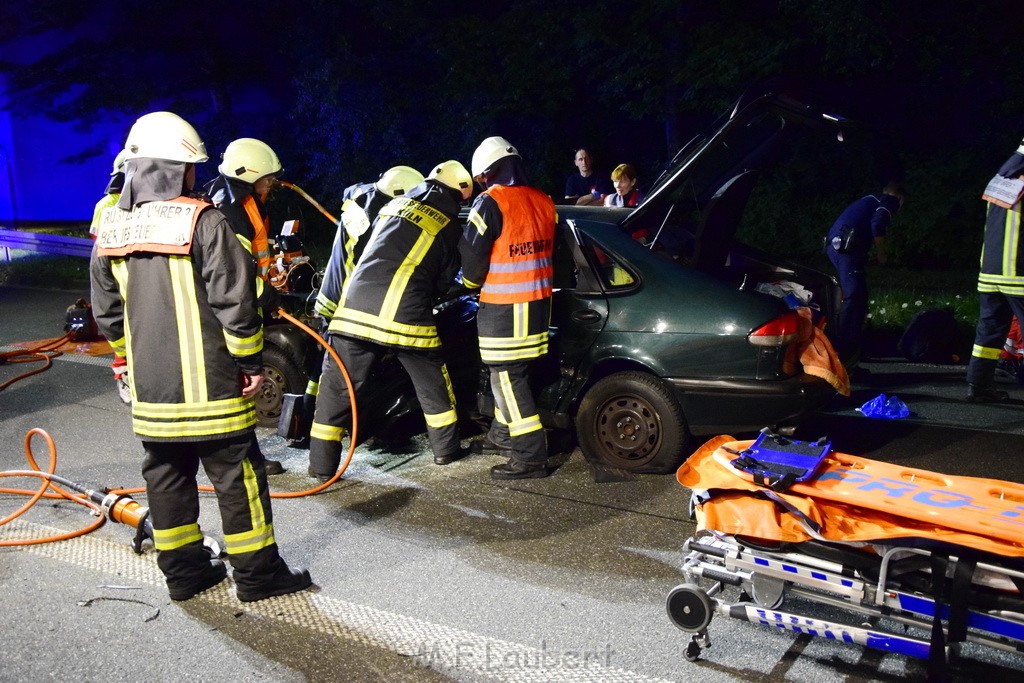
(352, 400)
(60, 493)
(309, 199)
(352, 437)
(41, 493)
(44, 352)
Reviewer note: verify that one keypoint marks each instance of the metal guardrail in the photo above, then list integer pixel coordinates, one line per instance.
(42, 242)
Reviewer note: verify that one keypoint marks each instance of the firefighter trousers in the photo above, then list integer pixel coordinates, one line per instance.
(516, 425)
(236, 469)
(333, 413)
(995, 315)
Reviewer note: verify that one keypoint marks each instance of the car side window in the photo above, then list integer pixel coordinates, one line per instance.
(613, 274)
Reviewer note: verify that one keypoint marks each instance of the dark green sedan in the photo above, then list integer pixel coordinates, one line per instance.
(659, 330)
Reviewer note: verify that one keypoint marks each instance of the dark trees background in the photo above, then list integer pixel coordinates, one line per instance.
(343, 90)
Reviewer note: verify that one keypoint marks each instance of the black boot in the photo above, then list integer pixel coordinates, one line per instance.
(978, 393)
(449, 458)
(485, 446)
(516, 469)
(190, 570)
(262, 574)
(285, 581)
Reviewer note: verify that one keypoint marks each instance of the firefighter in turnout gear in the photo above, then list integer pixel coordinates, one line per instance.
(1001, 280)
(172, 291)
(247, 174)
(360, 206)
(410, 260)
(110, 197)
(507, 252)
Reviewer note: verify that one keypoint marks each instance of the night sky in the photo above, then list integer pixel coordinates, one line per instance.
(344, 90)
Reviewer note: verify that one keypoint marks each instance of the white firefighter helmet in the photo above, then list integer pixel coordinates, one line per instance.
(249, 159)
(454, 175)
(490, 150)
(163, 135)
(398, 180)
(119, 162)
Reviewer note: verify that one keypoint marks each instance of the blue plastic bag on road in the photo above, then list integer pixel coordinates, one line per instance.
(890, 408)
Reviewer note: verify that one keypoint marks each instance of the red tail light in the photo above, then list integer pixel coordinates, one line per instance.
(778, 332)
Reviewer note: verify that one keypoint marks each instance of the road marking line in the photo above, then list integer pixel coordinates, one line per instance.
(428, 645)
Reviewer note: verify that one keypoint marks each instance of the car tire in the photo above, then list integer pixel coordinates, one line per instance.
(281, 375)
(632, 421)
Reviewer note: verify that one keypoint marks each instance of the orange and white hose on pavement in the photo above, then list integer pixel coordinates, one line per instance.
(117, 504)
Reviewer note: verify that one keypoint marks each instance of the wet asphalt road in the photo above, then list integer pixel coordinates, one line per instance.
(426, 572)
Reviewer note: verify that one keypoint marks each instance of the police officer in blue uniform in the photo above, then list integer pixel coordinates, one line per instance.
(860, 226)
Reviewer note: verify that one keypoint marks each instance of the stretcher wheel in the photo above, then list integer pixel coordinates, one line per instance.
(692, 651)
(689, 607)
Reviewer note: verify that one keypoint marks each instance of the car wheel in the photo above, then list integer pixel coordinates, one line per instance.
(281, 375)
(631, 420)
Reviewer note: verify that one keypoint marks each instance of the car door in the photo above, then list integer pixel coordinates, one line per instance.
(579, 312)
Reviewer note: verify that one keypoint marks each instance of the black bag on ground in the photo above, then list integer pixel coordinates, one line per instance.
(931, 337)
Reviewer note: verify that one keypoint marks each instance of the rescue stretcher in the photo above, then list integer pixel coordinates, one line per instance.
(789, 531)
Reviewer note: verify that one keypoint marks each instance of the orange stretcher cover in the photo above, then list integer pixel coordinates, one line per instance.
(855, 499)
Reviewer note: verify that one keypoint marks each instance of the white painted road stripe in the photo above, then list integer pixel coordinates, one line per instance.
(449, 650)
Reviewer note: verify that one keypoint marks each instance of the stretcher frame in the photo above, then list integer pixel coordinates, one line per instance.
(866, 585)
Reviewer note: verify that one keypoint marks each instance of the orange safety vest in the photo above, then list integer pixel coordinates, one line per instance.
(260, 241)
(521, 264)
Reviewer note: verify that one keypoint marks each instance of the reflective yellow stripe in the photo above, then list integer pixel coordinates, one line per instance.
(119, 346)
(510, 398)
(425, 217)
(1002, 289)
(499, 416)
(194, 428)
(470, 284)
(171, 539)
(520, 320)
(185, 411)
(383, 336)
(190, 335)
(351, 242)
(399, 282)
(244, 346)
(508, 342)
(123, 346)
(245, 243)
(1011, 236)
(524, 426)
(477, 221)
(985, 352)
(448, 384)
(257, 516)
(248, 541)
(326, 432)
(312, 388)
(375, 328)
(491, 356)
(439, 420)
(324, 306)
(506, 349)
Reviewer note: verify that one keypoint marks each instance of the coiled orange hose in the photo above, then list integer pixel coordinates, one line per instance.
(58, 492)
